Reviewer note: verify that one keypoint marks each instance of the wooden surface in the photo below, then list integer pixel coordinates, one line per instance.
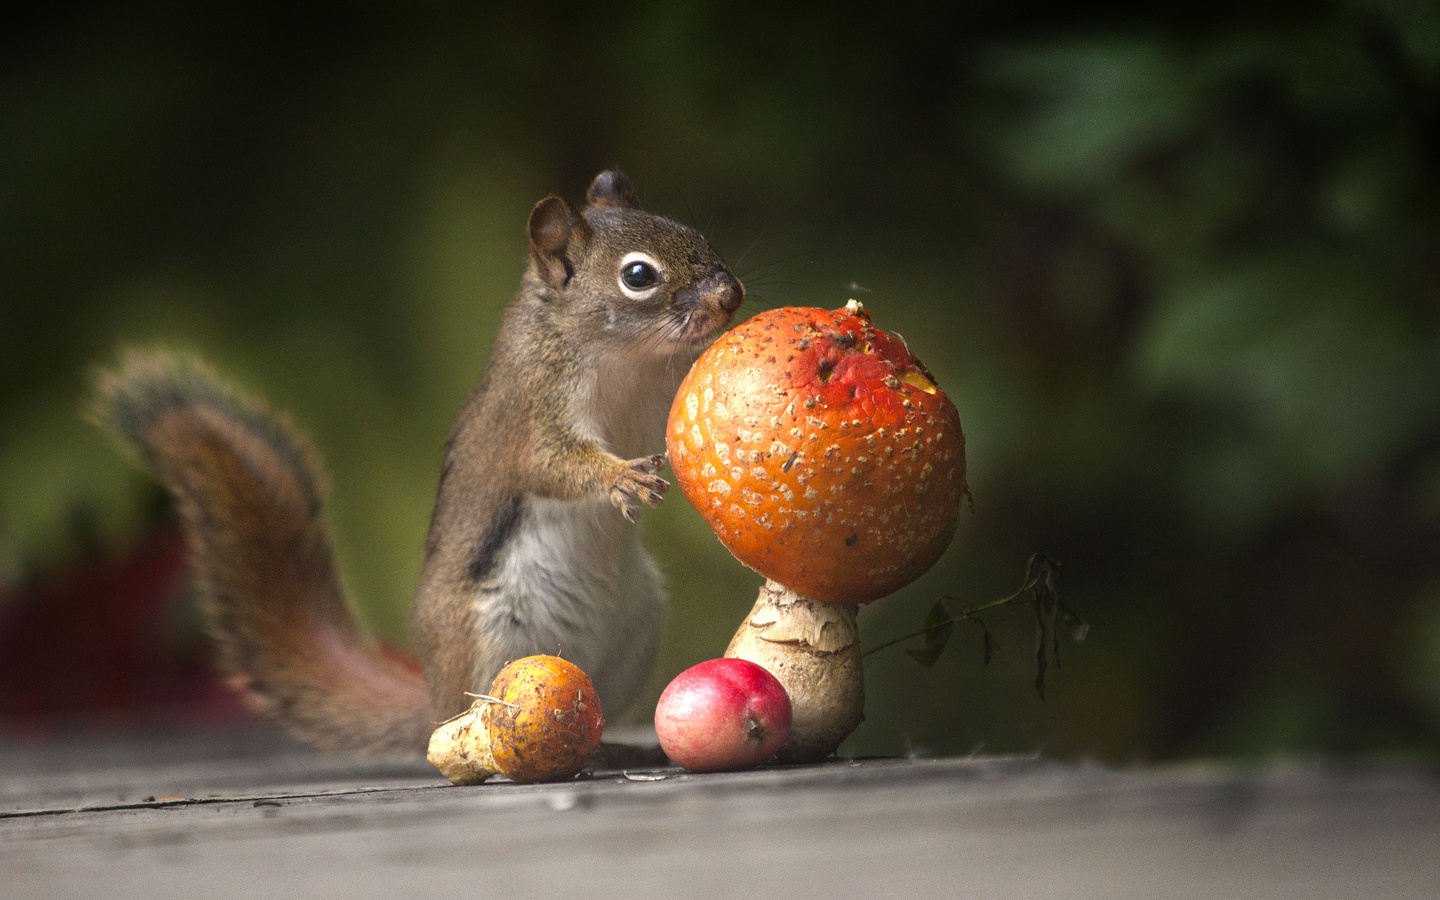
(250, 815)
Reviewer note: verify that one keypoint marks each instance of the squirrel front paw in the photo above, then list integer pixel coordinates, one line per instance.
(638, 483)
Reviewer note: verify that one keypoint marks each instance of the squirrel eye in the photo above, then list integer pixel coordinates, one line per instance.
(638, 275)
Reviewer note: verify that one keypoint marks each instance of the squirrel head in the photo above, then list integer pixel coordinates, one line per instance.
(626, 275)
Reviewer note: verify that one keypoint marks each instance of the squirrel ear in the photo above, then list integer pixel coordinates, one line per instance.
(612, 188)
(556, 230)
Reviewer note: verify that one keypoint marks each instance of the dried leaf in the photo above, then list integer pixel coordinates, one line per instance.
(1046, 600)
(925, 656)
(1079, 628)
(939, 625)
(992, 646)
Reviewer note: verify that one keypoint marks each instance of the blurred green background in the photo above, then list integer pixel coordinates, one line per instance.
(1178, 267)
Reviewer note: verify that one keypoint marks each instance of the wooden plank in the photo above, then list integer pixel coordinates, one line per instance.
(96, 774)
(281, 821)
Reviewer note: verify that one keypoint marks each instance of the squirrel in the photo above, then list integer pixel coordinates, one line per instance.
(528, 550)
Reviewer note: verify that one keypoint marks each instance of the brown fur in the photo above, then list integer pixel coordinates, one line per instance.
(517, 437)
(250, 496)
(579, 382)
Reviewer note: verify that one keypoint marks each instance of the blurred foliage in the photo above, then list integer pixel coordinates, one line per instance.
(1179, 267)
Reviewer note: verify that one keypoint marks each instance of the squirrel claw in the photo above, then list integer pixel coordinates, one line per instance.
(639, 484)
(648, 464)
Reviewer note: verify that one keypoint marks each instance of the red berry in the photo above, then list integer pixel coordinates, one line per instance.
(722, 714)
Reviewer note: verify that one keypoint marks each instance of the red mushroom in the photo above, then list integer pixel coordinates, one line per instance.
(826, 458)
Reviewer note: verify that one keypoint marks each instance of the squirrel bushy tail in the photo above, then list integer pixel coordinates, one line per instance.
(249, 493)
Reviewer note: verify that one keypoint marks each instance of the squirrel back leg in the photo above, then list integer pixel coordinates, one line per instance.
(250, 494)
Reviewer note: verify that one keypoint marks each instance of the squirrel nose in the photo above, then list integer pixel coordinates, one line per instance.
(727, 291)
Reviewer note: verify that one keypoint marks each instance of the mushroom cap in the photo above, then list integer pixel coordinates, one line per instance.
(821, 452)
(544, 719)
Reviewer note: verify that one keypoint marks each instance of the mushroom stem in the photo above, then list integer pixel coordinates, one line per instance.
(460, 747)
(813, 649)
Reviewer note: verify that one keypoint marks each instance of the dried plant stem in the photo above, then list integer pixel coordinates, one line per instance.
(963, 616)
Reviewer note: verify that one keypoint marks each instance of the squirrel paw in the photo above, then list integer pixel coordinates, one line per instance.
(638, 484)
